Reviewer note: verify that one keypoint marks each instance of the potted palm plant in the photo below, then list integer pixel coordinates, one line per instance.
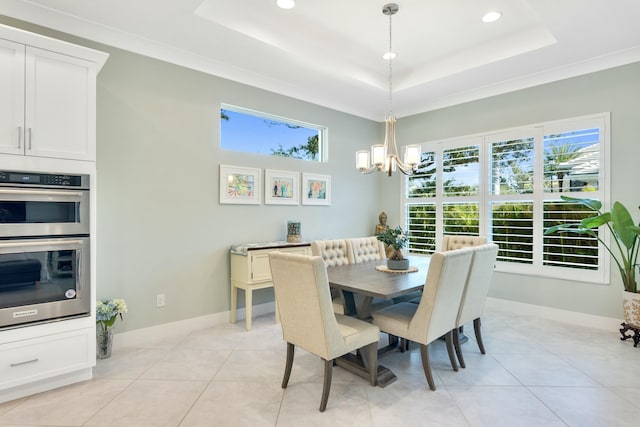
(395, 238)
(624, 248)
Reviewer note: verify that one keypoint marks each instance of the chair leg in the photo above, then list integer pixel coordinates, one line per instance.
(326, 386)
(287, 369)
(426, 365)
(452, 358)
(456, 345)
(476, 328)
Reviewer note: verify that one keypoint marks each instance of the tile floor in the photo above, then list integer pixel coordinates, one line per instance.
(536, 373)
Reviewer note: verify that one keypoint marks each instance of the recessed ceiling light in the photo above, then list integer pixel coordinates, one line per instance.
(389, 55)
(285, 4)
(491, 17)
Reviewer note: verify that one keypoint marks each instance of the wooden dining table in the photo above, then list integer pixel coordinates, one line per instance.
(367, 280)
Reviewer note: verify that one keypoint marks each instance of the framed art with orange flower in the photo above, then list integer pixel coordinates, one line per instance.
(316, 189)
(240, 185)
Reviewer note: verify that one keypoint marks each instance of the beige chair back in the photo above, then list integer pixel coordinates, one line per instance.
(450, 242)
(333, 252)
(366, 249)
(301, 289)
(478, 282)
(438, 308)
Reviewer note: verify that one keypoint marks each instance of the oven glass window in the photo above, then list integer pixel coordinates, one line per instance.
(38, 277)
(33, 212)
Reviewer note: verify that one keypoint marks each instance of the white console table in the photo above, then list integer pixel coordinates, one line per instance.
(250, 270)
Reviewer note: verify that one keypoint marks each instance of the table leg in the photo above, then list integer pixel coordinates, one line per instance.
(234, 301)
(248, 301)
(354, 364)
(349, 303)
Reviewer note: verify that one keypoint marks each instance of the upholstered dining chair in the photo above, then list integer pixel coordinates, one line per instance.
(450, 242)
(436, 314)
(301, 287)
(475, 294)
(333, 252)
(366, 249)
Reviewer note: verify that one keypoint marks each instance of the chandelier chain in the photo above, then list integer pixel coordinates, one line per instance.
(390, 67)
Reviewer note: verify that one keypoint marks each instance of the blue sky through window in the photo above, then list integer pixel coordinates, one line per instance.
(256, 134)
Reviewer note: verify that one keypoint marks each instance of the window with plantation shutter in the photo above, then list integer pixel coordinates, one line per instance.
(569, 249)
(461, 218)
(506, 185)
(460, 171)
(421, 226)
(512, 230)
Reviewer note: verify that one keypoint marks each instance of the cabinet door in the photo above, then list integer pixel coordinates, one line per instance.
(12, 98)
(260, 267)
(60, 105)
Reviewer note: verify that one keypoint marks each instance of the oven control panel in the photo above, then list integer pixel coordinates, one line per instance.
(38, 179)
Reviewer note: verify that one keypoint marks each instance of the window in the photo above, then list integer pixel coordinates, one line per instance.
(262, 133)
(506, 185)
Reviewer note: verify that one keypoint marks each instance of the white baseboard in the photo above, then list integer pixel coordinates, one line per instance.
(159, 332)
(571, 317)
(181, 327)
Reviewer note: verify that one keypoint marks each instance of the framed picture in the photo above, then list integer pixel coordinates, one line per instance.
(281, 187)
(316, 189)
(240, 185)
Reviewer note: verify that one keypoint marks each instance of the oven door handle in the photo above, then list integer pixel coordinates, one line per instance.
(40, 243)
(40, 192)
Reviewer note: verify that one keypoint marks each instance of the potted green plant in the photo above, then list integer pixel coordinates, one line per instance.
(624, 247)
(395, 239)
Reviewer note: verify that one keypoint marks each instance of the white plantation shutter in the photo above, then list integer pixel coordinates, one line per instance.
(512, 230)
(461, 219)
(569, 249)
(421, 226)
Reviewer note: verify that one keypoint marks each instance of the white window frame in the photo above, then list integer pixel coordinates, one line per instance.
(601, 120)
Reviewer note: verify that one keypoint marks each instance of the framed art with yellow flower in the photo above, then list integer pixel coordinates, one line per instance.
(240, 185)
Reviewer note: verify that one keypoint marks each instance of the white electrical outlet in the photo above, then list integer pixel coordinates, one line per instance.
(160, 300)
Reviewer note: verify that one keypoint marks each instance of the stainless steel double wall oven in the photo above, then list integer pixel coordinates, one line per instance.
(44, 247)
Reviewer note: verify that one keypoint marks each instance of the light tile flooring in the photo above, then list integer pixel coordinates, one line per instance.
(536, 373)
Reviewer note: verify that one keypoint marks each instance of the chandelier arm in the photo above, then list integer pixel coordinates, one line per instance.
(368, 171)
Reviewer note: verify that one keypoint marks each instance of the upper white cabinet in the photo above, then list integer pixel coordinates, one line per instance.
(12, 99)
(50, 107)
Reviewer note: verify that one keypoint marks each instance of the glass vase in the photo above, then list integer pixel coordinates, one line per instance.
(104, 341)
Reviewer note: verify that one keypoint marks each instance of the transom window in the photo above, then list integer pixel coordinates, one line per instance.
(506, 185)
(262, 133)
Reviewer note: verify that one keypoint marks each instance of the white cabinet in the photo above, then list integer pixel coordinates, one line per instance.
(40, 358)
(50, 105)
(12, 99)
(48, 124)
(250, 271)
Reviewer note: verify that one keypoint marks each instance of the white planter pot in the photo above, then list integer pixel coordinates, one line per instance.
(631, 306)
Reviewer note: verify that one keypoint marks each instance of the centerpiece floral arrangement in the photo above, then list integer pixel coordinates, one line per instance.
(108, 310)
(394, 238)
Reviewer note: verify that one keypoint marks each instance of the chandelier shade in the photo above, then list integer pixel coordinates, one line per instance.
(385, 157)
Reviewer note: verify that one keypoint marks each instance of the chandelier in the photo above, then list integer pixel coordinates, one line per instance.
(384, 157)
